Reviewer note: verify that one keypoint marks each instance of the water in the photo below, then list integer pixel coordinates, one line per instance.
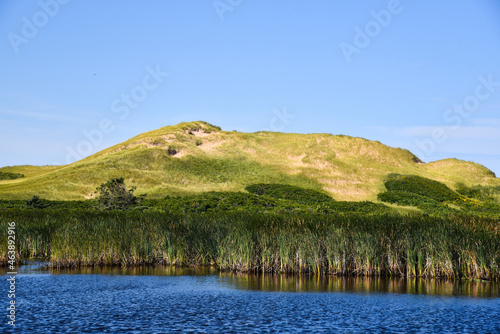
(163, 300)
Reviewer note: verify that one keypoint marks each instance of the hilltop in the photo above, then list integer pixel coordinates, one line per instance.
(195, 157)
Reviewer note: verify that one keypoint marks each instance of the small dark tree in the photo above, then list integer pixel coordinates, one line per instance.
(114, 195)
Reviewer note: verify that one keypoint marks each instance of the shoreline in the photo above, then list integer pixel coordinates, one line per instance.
(46, 264)
(43, 265)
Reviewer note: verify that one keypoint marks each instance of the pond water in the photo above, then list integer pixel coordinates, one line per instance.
(169, 300)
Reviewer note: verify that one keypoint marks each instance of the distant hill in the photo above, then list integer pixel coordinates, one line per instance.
(195, 157)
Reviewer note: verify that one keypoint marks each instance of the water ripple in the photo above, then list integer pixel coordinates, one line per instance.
(209, 304)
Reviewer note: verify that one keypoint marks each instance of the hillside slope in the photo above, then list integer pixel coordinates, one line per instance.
(195, 157)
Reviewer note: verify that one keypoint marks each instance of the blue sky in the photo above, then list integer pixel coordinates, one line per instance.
(80, 76)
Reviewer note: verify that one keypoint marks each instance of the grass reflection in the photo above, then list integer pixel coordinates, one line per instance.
(288, 283)
(416, 286)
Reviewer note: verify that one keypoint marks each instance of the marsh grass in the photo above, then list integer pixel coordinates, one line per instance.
(354, 244)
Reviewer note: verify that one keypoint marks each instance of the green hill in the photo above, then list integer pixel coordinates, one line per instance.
(196, 157)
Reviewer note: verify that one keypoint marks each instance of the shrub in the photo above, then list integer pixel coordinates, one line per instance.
(10, 176)
(480, 192)
(361, 207)
(421, 186)
(212, 202)
(12, 204)
(114, 195)
(218, 202)
(404, 198)
(171, 151)
(289, 192)
(36, 203)
(436, 198)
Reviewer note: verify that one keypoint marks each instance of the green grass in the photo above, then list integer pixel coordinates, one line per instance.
(209, 159)
(463, 247)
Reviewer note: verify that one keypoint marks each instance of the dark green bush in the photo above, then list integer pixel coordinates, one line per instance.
(288, 192)
(217, 202)
(436, 198)
(212, 202)
(361, 207)
(114, 195)
(405, 198)
(12, 204)
(421, 186)
(37, 203)
(10, 176)
(484, 193)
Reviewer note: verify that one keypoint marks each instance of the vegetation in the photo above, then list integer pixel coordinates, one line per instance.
(480, 192)
(289, 192)
(261, 202)
(355, 244)
(212, 202)
(421, 186)
(436, 198)
(197, 157)
(10, 176)
(37, 203)
(114, 195)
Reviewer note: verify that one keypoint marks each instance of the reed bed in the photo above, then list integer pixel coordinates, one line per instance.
(462, 247)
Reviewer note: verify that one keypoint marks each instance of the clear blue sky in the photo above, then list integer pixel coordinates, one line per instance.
(422, 75)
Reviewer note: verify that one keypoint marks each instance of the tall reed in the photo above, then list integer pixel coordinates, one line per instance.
(363, 245)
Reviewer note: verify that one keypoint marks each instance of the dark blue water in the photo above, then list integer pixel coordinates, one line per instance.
(169, 301)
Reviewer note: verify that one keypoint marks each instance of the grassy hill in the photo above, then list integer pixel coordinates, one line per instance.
(195, 157)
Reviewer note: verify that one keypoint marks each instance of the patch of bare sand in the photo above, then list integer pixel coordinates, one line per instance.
(210, 146)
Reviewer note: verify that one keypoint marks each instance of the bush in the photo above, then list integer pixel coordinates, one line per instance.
(216, 202)
(37, 203)
(361, 207)
(289, 192)
(405, 198)
(10, 176)
(421, 186)
(484, 193)
(114, 195)
(211, 202)
(12, 204)
(426, 194)
(434, 197)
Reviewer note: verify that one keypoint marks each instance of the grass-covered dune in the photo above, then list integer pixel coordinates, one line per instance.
(464, 247)
(196, 157)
